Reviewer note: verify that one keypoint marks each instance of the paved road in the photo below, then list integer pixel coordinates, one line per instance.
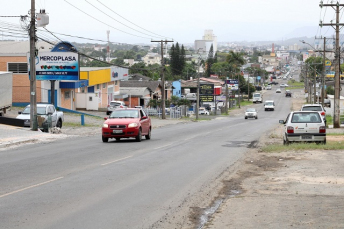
(80, 182)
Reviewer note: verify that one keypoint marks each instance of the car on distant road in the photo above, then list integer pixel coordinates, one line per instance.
(251, 113)
(269, 105)
(127, 123)
(278, 90)
(284, 85)
(268, 87)
(274, 82)
(304, 126)
(287, 93)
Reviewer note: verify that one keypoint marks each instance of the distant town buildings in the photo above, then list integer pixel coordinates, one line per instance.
(208, 39)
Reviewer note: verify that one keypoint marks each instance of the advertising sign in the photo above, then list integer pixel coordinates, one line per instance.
(118, 73)
(206, 93)
(233, 84)
(56, 66)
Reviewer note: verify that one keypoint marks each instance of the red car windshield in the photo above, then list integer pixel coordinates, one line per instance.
(125, 114)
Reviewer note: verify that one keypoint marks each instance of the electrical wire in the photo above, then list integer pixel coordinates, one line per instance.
(105, 23)
(128, 20)
(118, 21)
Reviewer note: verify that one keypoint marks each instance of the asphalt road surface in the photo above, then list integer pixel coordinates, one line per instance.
(81, 182)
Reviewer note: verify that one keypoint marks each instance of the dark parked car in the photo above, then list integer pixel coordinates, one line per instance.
(287, 93)
(274, 82)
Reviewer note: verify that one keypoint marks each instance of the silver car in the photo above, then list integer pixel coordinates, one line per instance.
(304, 126)
(251, 113)
(114, 105)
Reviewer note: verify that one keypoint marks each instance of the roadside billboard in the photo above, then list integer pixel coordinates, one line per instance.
(233, 84)
(118, 73)
(56, 66)
(206, 93)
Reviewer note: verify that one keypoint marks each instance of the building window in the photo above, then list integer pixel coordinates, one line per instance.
(67, 94)
(17, 67)
(104, 85)
(98, 86)
(116, 82)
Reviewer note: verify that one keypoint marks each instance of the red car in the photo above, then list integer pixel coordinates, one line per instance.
(127, 123)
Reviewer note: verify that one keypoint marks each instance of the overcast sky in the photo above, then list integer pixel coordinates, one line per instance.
(181, 20)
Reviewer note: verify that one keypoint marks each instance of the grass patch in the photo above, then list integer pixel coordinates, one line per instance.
(245, 103)
(74, 124)
(295, 85)
(302, 146)
(334, 134)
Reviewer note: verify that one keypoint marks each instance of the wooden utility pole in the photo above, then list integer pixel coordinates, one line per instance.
(163, 96)
(336, 116)
(324, 68)
(33, 96)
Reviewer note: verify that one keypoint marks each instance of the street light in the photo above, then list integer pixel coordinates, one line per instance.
(323, 78)
(197, 99)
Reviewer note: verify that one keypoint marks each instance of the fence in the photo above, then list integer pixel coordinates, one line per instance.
(171, 112)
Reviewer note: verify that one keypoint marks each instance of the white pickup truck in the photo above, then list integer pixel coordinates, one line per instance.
(44, 110)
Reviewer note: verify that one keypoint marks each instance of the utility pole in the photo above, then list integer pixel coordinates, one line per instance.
(163, 98)
(336, 116)
(315, 86)
(33, 98)
(324, 69)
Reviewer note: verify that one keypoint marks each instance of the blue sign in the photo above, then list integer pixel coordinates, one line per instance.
(57, 66)
(258, 77)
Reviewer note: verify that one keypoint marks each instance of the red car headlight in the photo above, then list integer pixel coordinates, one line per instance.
(132, 125)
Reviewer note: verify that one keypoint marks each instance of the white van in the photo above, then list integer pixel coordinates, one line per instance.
(257, 97)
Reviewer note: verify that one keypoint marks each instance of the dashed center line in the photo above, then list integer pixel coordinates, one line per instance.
(163, 146)
(117, 160)
(32, 186)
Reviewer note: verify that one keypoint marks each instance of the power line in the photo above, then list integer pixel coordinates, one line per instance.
(128, 20)
(117, 20)
(105, 23)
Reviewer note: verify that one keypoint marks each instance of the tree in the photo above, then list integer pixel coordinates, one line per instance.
(235, 59)
(117, 61)
(210, 61)
(177, 60)
(315, 63)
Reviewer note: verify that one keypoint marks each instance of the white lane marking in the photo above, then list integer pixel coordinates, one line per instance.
(32, 186)
(117, 160)
(163, 146)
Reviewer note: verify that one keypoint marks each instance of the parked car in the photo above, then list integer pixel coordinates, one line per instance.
(287, 93)
(284, 85)
(268, 87)
(304, 126)
(274, 82)
(203, 111)
(114, 105)
(45, 113)
(127, 123)
(269, 105)
(278, 90)
(251, 113)
(315, 107)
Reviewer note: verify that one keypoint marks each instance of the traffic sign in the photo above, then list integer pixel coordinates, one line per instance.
(328, 63)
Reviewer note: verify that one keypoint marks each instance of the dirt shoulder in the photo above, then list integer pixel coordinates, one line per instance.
(291, 189)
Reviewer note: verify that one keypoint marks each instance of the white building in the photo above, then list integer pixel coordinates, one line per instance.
(152, 58)
(208, 39)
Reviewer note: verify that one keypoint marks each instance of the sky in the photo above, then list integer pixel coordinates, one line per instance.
(183, 21)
